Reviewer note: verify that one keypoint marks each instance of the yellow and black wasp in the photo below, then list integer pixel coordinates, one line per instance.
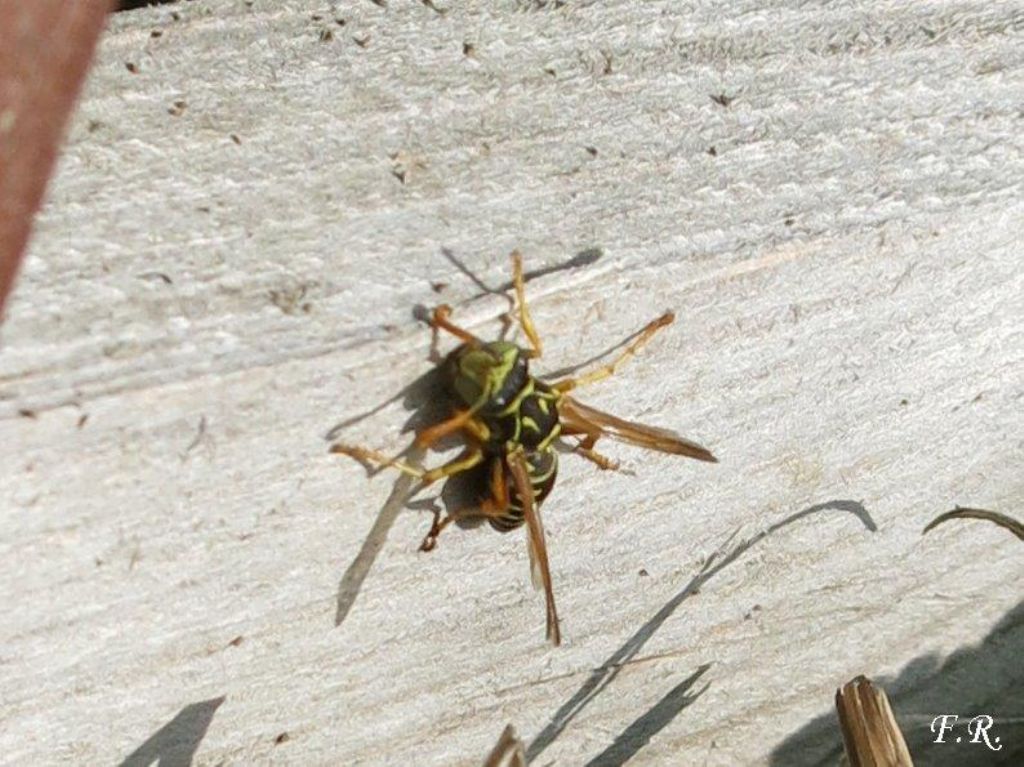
(511, 422)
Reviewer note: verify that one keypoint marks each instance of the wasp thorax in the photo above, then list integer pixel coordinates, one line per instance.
(490, 375)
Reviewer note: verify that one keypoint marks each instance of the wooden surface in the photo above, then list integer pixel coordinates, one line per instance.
(226, 266)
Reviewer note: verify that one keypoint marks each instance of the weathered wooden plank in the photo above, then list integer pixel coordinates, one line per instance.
(215, 283)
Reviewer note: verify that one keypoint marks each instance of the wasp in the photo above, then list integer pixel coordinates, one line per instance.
(511, 423)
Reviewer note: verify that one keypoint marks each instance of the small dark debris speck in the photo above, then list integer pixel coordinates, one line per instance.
(591, 150)
(236, 641)
(438, 287)
(282, 738)
(178, 108)
(156, 276)
(290, 299)
(27, 413)
(722, 100)
(468, 49)
(132, 67)
(156, 33)
(399, 174)
(904, 402)
(788, 221)
(175, 16)
(362, 42)
(200, 432)
(316, 17)
(326, 35)
(712, 151)
(643, 573)
(93, 126)
(82, 419)
(549, 71)
(234, 137)
(340, 22)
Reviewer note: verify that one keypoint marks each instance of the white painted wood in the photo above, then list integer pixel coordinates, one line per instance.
(846, 272)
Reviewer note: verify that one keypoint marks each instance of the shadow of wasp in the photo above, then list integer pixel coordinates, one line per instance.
(510, 423)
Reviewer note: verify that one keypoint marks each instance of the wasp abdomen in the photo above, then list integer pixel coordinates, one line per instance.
(543, 466)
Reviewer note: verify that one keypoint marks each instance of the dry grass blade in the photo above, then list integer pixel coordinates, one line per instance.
(961, 512)
(870, 732)
(508, 745)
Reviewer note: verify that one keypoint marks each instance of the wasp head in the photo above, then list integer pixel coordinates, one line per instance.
(488, 376)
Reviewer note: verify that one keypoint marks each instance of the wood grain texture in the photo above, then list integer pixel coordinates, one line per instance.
(226, 267)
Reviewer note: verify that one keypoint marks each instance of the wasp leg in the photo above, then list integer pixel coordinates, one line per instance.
(463, 419)
(568, 384)
(603, 462)
(470, 458)
(439, 321)
(374, 457)
(430, 539)
(588, 437)
(591, 434)
(525, 320)
(493, 506)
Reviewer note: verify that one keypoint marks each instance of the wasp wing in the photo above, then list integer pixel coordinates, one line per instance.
(583, 419)
(535, 539)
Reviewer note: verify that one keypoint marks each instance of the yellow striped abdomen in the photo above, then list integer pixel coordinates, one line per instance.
(543, 468)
